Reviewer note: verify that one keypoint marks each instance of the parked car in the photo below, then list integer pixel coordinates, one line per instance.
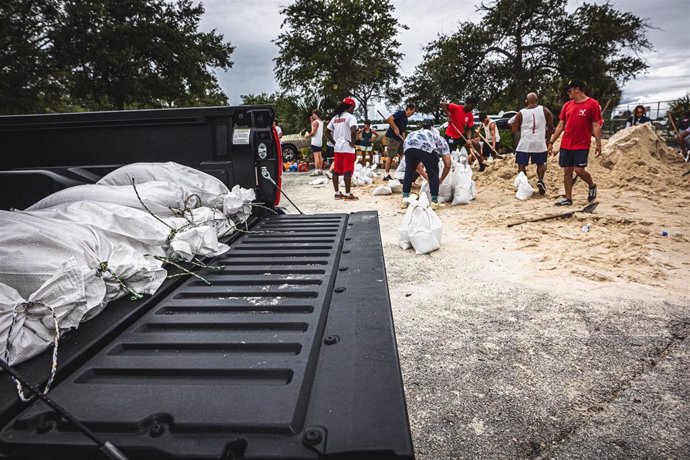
(292, 144)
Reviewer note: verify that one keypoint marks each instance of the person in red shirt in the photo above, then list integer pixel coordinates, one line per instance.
(460, 123)
(579, 119)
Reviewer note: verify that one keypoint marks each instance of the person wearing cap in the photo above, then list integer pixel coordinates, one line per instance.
(394, 136)
(425, 146)
(460, 123)
(342, 132)
(534, 124)
(579, 119)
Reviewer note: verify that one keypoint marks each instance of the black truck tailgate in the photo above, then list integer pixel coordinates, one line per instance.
(289, 353)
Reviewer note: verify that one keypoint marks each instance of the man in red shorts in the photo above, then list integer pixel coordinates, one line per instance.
(579, 118)
(342, 132)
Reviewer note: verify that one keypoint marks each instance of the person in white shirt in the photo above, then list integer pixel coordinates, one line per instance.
(316, 135)
(277, 128)
(342, 132)
(534, 123)
(425, 146)
(492, 138)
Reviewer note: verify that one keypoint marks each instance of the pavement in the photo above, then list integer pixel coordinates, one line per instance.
(504, 362)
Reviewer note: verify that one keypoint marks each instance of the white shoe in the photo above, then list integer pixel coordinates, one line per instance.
(435, 205)
(329, 175)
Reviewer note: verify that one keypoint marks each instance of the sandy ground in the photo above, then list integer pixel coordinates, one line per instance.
(543, 341)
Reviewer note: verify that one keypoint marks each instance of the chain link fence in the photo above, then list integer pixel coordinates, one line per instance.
(615, 118)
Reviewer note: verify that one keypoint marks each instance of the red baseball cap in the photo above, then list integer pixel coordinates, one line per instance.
(349, 101)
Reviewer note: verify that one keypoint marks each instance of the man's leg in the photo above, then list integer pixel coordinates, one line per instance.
(522, 159)
(430, 162)
(568, 182)
(584, 175)
(347, 177)
(318, 160)
(540, 160)
(337, 169)
(411, 162)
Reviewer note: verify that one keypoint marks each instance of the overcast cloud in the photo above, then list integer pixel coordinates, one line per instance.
(251, 25)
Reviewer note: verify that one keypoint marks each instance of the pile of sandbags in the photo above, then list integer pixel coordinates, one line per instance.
(64, 258)
(421, 228)
(457, 188)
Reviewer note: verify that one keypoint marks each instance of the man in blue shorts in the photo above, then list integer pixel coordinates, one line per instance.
(534, 123)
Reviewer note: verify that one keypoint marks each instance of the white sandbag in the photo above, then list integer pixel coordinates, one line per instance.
(400, 170)
(404, 231)
(524, 189)
(462, 192)
(238, 203)
(382, 190)
(33, 327)
(395, 185)
(209, 189)
(473, 190)
(162, 198)
(424, 228)
(143, 232)
(33, 249)
(445, 193)
(319, 181)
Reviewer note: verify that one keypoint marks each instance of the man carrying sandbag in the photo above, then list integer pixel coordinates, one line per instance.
(425, 146)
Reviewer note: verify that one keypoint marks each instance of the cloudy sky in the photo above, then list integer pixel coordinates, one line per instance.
(251, 25)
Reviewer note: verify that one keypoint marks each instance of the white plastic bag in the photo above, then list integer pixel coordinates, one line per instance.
(524, 189)
(400, 170)
(463, 191)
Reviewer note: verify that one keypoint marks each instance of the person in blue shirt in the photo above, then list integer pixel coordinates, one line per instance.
(394, 136)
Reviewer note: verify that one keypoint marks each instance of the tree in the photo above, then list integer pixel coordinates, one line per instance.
(536, 45)
(338, 48)
(138, 53)
(292, 110)
(25, 70)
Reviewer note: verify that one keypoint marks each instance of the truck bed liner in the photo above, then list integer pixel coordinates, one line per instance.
(289, 353)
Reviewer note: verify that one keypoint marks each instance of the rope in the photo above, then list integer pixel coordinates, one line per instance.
(186, 272)
(147, 208)
(103, 267)
(56, 340)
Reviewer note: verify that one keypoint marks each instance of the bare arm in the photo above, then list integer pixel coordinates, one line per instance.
(444, 107)
(515, 127)
(374, 133)
(492, 128)
(555, 136)
(329, 136)
(549, 124)
(314, 128)
(422, 172)
(596, 130)
(353, 131)
(446, 167)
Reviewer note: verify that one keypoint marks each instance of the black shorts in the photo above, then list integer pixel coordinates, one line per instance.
(486, 148)
(330, 152)
(568, 158)
(523, 158)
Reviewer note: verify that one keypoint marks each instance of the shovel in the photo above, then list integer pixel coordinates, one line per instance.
(588, 209)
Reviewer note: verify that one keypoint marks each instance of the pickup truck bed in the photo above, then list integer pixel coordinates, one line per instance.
(289, 353)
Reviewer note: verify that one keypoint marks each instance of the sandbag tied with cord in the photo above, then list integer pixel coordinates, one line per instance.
(58, 258)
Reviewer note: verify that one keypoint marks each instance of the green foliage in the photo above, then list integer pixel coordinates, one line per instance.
(338, 48)
(292, 111)
(107, 54)
(532, 45)
(26, 85)
(680, 106)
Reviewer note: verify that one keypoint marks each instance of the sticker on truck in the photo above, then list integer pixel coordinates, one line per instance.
(240, 136)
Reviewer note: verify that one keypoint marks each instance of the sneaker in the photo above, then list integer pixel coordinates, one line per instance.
(350, 197)
(564, 202)
(339, 196)
(592, 193)
(482, 167)
(329, 175)
(388, 177)
(404, 204)
(435, 205)
(542, 187)
(315, 173)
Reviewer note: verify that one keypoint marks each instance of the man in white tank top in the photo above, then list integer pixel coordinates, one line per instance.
(316, 136)
(534, 123)
(492, 138)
